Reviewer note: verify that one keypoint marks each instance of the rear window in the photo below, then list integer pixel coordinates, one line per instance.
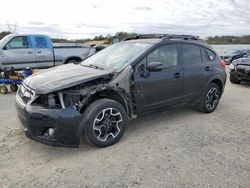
(191, 54)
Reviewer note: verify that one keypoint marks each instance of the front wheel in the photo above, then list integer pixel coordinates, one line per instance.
(104, 122)
(210, 99)
(14, 87)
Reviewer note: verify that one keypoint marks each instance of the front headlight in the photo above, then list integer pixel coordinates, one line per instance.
(231, 66)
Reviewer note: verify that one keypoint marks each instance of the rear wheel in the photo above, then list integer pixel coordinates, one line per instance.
(104, 122)
(210, 99)
(75, 61)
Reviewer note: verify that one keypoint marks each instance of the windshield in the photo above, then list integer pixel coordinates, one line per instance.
(233, 51)
(117, 56)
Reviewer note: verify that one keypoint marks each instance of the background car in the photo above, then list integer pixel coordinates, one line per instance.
(233, 54)
(240, 70)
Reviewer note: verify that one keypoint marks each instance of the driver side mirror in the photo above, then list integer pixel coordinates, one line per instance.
(154, 66)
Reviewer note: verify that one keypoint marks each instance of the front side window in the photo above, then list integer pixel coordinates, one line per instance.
(17, 43)
(191, 54)
(167, 55)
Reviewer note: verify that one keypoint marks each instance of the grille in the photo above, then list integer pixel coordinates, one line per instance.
(244, 69)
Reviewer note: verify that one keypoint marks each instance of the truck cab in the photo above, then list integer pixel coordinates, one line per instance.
(22, 51)
(37, 51)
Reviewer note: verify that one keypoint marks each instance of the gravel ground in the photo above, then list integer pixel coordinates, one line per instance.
(174, 148)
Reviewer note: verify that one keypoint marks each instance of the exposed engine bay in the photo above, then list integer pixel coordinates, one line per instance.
(80, 96)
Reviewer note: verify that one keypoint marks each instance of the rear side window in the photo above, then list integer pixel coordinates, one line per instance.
(211, 55)
(204, 55)
(41, 42)
(191, 54)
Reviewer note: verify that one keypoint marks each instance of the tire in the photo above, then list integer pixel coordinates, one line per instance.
(104, 122)
(210, 99)
(13, 87)
(72, 61)
(234, 80)
(3, 90)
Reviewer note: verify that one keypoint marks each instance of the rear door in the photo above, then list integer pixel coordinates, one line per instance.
(196, 69)
(18, 53)
(159, 89)
(44, 51)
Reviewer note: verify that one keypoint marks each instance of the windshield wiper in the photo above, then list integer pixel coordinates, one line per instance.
(93, 66)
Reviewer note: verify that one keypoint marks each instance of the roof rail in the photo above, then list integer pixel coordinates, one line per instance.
(184, 37)
(145, 36)
(166, 37)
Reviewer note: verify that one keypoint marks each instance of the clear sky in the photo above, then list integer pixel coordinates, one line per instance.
(88, 18)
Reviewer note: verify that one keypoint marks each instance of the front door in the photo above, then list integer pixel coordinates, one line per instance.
(158, 89)
(19, 53)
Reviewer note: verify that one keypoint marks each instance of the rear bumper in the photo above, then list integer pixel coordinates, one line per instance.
(36, 121)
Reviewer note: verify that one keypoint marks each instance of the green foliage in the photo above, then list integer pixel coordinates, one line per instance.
(4, 33)
(60, 40)
(108, 38)
(245, 39)
(124, 35)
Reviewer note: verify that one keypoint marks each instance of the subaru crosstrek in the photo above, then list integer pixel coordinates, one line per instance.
(97, 97)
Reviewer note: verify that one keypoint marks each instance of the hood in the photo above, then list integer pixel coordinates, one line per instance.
(242, 61)
(228, 55)
(62, 77)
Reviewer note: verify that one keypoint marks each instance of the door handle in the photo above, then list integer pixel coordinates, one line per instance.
(29, 52)
(177, 75)
(39, 52)
(207, 68)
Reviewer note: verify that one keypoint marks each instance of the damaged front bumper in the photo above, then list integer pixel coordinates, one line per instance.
(57, 127)
(241, 74)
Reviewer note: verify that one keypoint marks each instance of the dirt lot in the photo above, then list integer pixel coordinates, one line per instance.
(174, 148)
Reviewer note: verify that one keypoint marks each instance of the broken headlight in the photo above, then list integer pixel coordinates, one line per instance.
(60, 100)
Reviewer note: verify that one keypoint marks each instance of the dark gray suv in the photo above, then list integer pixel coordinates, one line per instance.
(97, 97)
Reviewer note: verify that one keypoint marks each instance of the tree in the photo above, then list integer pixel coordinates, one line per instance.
(4, 33)
(124, 35)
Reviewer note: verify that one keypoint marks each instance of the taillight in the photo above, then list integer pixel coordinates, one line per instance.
(222, 63)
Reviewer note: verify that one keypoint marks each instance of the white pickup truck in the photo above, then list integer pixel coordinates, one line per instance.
(36, 51)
